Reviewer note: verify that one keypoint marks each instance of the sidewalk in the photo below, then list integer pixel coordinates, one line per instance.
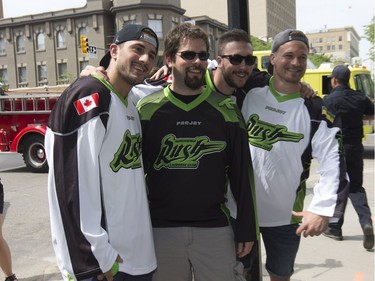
(26, 229)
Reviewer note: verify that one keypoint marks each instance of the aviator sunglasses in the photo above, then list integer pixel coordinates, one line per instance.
(237, 59)
(190, 55)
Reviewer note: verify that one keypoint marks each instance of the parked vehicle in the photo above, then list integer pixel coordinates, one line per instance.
(23, 120)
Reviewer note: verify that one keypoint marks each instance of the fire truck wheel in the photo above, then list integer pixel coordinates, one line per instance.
(34, 154)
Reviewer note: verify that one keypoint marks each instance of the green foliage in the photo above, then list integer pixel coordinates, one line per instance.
(318, 59)
(260, 45)
(369, 35)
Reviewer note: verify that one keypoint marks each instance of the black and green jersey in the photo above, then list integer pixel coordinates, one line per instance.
(191, 152)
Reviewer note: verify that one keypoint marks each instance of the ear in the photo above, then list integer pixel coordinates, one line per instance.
(219, 61)
(169, 61)
(113, 49)
(272, 58)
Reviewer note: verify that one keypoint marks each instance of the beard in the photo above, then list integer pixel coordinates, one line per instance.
(129, 77)
(228, 78)
(194, 82)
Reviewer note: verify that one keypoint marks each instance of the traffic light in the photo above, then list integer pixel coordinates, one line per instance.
(84, 43)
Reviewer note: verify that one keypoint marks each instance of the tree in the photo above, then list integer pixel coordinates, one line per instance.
(260, 45)
(318, 59)
(369, 35)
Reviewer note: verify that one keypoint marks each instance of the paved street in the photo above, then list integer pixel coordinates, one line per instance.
(27, 230)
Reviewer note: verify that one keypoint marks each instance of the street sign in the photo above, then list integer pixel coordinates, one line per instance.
(92, 52)
(92, 49)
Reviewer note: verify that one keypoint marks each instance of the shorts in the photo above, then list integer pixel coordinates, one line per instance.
(1, 198)
(121, 276)
(281, 244)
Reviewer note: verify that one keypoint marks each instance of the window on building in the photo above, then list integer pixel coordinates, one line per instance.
(328, 47)
(4, 76)
(126, 22)
(82, 65)
(211, 41)
(2, 46)
(40, 42)
(157, 26)
(340, 38)
(340, 47)
(62, 72)
(60, 37)
(333, 47)
(22, 77)
(82, 31)
(42, 72)
(20, 42)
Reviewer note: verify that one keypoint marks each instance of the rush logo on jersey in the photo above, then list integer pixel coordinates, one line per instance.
(85, 104)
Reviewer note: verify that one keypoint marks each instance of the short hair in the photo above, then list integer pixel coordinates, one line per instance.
(237, 35)
(181, 32)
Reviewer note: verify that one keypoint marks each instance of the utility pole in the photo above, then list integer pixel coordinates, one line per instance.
(238, 14)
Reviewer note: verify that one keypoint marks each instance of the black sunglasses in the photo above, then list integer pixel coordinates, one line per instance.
(237, 59)
(190, 55)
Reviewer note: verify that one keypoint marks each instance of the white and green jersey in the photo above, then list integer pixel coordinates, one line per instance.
(96, 187)
(284, 133)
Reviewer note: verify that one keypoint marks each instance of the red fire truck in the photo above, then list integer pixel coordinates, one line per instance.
(23, 119)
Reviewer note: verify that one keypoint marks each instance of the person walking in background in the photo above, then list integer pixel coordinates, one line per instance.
(285, 132)
(194, 145)
(5, 255)
(98, 205)
(351, 106)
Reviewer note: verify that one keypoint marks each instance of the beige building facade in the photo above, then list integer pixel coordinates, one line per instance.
(44, 49)
(342, 44)
(267, 17)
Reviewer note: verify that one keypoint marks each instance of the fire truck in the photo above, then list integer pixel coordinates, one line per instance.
(23, 120)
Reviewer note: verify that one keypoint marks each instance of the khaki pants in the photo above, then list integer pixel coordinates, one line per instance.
(205, 253)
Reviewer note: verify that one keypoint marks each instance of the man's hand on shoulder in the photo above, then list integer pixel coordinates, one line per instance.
(90, 69)
(306, 91)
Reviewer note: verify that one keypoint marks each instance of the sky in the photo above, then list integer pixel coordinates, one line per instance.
(312, 15)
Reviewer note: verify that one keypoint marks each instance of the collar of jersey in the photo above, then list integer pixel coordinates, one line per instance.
(278, 96)
(209, 81)
(110, 87)
(187, 106)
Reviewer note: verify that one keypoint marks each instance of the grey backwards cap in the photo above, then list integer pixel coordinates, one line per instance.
(287, 36)
(132, 32)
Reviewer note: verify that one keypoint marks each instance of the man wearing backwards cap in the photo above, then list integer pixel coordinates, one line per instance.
(284, 132)
(351, 106)
(99, 212)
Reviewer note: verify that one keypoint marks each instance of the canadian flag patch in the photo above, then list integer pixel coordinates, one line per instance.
(85, 104)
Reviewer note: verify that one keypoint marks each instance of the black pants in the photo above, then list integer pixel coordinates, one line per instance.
(357, 193)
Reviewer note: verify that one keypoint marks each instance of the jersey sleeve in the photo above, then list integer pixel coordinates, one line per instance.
(74, 136)
(331, 192)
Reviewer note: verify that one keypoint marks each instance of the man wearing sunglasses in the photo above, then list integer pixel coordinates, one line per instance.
(194, 143)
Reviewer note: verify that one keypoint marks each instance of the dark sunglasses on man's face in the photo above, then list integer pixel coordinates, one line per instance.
(190, 55)
(237, 59)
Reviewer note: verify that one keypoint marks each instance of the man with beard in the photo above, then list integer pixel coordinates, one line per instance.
(285, 132)
(99, 212)
(194, 145)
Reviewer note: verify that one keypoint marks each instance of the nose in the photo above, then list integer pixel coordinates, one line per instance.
(295, 61)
